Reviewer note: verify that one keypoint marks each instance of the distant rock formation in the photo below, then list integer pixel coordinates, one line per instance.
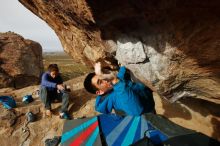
(21, 61)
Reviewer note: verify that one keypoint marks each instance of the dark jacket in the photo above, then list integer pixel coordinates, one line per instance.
(49, 82)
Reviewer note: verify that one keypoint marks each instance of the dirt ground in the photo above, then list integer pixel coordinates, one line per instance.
(82, 105)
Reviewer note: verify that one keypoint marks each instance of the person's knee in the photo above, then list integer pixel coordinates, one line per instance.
(65, 96)
(43, 89)
(43, 93)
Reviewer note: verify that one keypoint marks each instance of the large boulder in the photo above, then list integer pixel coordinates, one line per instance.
(21, 61)
(171, 45)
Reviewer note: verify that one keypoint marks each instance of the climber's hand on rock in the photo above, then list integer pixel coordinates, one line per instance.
(98, 69)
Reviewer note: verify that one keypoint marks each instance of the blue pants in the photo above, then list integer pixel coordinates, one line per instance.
(47, 97)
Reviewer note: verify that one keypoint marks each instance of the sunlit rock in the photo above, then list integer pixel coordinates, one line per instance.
(21, 61)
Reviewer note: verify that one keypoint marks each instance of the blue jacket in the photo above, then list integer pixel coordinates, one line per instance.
(49, 82)
(131, 98)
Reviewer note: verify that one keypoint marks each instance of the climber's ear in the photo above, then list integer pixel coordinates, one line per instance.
(100, 92)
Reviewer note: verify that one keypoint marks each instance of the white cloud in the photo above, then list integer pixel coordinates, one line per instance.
(15, 17)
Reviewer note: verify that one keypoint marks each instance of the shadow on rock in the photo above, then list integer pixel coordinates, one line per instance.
(202, 106)
(78, 99)
(173, 110)
(216, 127)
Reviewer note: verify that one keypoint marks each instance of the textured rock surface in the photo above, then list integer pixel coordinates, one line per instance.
(172, 46)
(7, 118)
(21, 61)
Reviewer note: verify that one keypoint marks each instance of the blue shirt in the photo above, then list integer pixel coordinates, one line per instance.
(131, 98)
(49, 82)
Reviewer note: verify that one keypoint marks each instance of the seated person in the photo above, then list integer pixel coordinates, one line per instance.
(51, 89)
(119, 93)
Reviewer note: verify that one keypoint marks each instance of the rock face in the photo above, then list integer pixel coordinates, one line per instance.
(21, 61)
(172, 45)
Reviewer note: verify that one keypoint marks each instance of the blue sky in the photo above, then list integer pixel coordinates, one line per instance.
(16, 18)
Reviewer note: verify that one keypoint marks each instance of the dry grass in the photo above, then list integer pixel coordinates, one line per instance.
(68, 68)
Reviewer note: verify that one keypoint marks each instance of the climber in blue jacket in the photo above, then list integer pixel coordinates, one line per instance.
(51, 89)
(119, 93)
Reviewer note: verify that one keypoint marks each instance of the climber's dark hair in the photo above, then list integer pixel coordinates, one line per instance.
(88, 83)
(53, 67)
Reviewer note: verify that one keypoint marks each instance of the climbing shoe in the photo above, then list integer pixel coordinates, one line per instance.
(65, 116)
(53, 142)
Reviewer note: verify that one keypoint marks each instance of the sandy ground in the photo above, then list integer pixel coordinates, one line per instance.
(82, 105)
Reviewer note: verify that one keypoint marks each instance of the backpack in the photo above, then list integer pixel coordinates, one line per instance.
(8, 102)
